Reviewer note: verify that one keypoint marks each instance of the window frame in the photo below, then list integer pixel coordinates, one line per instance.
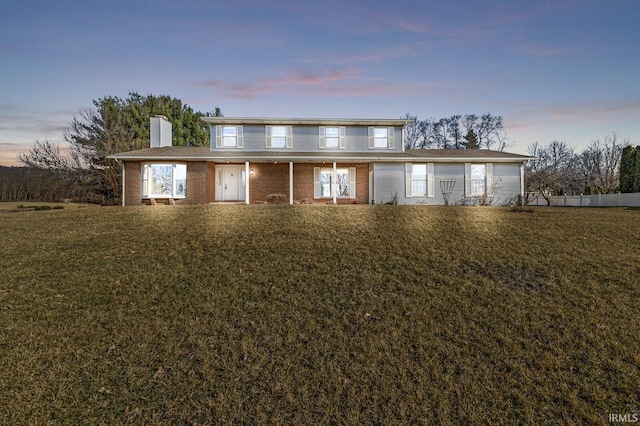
(147, 181)
(427, 178)
(350, 182)
(470, 181)
(287, 137)
(373, 139)
(341, 138)
(220, 137)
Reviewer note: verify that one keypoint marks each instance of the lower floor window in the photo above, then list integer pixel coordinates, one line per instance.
(478, 175)
(419, 180)
(164, 180)
(344, 181)
(478, 179)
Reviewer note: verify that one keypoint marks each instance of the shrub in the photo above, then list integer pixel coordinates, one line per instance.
(277, 199)
(58, 207)
(43, 207)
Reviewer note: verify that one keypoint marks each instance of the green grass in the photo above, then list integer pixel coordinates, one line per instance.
(319, 314)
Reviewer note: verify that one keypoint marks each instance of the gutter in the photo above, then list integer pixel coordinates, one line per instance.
(271, 159)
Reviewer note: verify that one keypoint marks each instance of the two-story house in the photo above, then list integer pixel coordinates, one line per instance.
(338, 161)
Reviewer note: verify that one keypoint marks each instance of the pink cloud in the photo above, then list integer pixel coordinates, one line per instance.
(303, 82)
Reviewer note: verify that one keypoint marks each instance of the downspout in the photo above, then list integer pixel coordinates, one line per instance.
(522, 183)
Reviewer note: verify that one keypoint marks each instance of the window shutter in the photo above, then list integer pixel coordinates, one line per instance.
(430, 184)
(467, 179)
(316, 182)
(218, 136)
(391, 140)
(408, 174)
(239, 137)
(371, 140)
(488, 170)
(343, 137)
(322, 143)
(352, 182)
(267, 131)
(289, 142)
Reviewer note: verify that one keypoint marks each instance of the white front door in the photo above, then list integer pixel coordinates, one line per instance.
(230, 183)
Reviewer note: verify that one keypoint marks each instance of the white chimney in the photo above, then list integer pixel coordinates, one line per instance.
(160, 131)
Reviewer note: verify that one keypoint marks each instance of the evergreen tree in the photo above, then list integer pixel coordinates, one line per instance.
(120, 125)
(627, 169)
(471, 140)
(636, 172)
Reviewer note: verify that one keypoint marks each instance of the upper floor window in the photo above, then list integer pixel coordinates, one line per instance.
(381, 137)
(164, 180)
(279, 136)
(333, 137)
(228, 136)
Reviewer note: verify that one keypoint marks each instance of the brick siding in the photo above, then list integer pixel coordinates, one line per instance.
(267, 179)
(200, 183)
(303, 183)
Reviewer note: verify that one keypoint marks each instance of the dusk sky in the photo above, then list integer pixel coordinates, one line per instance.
(565, 70)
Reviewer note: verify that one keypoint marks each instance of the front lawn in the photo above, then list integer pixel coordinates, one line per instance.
(319, 314)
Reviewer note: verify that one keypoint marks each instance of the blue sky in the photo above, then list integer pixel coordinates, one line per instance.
(565, 70)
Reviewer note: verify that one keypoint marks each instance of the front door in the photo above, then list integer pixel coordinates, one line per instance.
(230, 183)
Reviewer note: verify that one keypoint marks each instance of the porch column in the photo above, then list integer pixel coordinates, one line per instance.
(334, 186)
(246, 182)
(290, 182)
(123, 184)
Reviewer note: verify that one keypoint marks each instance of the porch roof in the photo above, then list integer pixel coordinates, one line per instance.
(183, 153)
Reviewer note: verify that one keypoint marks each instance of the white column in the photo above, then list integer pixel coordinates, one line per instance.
(290, 182)
(334, 186)
(123, 186)
(246, 182)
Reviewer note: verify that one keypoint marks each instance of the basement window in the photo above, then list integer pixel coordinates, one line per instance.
(164, 180)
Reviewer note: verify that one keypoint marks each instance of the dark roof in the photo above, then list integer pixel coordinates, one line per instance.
(309, 121)
(205, 153)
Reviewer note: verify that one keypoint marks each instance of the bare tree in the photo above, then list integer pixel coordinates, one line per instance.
(599, 165)
(554, 171)
(46, 155)
(412, 134)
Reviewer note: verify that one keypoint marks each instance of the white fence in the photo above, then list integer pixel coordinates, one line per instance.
(595, 200)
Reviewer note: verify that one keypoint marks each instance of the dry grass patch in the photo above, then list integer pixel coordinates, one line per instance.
(319, 314)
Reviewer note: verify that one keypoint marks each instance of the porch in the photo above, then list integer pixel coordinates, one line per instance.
(325, 182)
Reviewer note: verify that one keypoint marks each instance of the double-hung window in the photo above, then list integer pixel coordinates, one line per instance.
(333, 137)
(478, 179)
(228, 136)
(279, 136)
(343, 183)
(164, 180)
(419, 180)
(381, 138)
